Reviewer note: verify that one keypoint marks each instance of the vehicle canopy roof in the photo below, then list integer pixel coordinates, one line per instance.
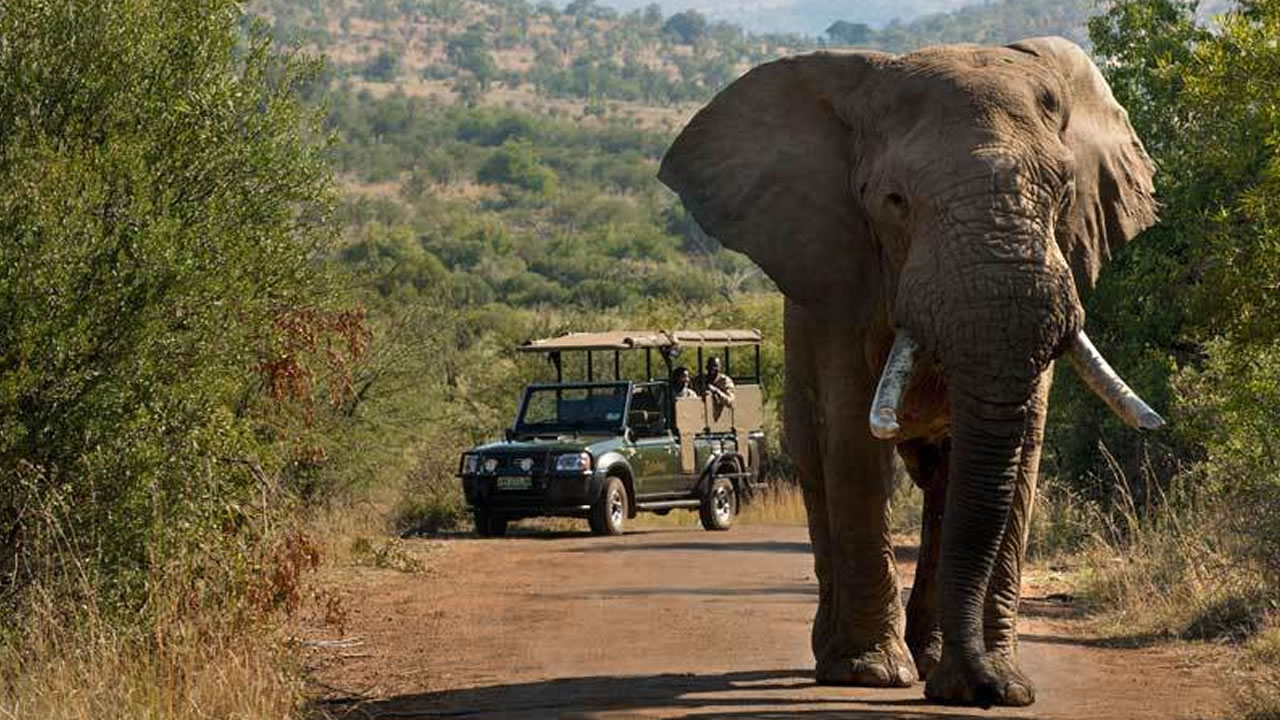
(639, 339)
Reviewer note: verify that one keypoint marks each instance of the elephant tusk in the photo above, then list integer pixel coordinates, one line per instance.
(892, 385)
(1106, 384)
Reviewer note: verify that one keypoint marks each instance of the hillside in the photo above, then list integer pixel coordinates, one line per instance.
(632, 65)
(813, 16)
(591, 61)
(809, 17)
(502, 152)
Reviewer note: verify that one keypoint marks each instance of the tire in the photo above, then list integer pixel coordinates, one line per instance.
(610, 511)
(719, 505)
(490, 525)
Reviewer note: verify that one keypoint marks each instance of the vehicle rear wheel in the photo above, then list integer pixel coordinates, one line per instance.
(719, 505)
(490, 525)
(610, 511)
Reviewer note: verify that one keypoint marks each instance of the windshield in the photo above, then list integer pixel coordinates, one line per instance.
(552, 409)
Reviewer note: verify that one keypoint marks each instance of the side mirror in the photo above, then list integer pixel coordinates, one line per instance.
(631, 435)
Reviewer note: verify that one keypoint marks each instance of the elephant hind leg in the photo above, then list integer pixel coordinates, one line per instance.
(927, 465)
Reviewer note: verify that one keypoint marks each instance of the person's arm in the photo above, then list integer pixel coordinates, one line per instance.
(724, 388)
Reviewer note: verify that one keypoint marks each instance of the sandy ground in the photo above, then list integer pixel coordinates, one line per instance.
(672, 623)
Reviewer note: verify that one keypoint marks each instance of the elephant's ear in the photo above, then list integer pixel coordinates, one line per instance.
(765, 169)
(1114, 192)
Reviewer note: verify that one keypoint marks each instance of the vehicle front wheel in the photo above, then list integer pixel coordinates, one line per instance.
(719, 505)
(610, 510)
(490, 525)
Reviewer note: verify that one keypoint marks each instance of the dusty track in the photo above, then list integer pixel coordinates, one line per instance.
(673, 623)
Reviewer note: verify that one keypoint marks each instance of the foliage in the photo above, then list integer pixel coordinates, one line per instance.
(1192, 308)
(531, 212)
(490, 49)
(687, 26)
(516, 164)
(383, 67)
(991, 23)
(843, 32)
(166, 195)
(468, 52)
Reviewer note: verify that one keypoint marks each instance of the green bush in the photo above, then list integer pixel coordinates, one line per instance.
(166, 194)
(516, 163)
(383, 67)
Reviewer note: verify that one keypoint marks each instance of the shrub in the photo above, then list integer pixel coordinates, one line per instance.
(516, 163)
(167, 193)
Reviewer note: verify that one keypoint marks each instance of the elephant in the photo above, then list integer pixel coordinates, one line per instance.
(932, 220)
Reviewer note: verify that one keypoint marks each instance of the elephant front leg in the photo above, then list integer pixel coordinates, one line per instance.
(846, 475)
(858, 629)
(926, 463)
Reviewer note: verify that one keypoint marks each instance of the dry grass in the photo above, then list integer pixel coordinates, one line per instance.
(200, 667)
(780, 504)
(1179, 568)
(203, 640)
(1062, 523)
(1258, 697)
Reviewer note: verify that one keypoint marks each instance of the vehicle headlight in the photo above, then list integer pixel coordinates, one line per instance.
(470, 463)
(578, 462)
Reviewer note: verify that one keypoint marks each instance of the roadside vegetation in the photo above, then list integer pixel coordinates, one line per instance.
(1180, 530)
(166, 195)
(255, 306)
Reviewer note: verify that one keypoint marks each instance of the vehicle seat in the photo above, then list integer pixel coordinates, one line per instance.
(645, 415)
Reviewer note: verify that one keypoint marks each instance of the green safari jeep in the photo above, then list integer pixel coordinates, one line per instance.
(606, 450)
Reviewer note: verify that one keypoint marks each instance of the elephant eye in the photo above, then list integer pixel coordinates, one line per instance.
(897, 201)
(1049, 101)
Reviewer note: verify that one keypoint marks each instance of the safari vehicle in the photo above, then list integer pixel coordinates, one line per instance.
(607, 449)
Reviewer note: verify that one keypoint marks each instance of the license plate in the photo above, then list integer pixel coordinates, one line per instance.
(514, 483)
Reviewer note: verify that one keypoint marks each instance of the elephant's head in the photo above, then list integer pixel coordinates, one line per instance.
(961, 194)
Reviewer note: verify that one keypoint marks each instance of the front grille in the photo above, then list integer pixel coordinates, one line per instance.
(534, 463)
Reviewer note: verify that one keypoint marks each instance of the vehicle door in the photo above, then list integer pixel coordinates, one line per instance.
(656, 462)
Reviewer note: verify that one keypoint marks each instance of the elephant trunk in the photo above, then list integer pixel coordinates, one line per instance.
(995, 346)
(987, 443)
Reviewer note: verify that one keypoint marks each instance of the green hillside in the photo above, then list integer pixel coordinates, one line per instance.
(641, 66)
(515, 145)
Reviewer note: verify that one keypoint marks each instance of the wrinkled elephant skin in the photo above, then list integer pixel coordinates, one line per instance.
(959, 199)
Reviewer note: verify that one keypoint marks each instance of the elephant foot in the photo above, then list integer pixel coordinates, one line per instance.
(986, 680)
(927, 653)
(884, 666)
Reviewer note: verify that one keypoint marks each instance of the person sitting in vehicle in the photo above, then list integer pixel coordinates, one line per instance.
(719, 386)
(682, 384)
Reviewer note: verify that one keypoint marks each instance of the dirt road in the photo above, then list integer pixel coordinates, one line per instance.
(673, 623)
